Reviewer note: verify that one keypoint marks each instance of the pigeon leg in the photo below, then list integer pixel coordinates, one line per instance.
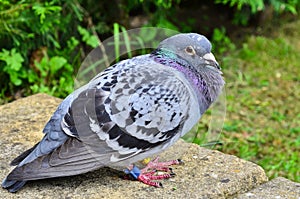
(161, 166)
(149, 173)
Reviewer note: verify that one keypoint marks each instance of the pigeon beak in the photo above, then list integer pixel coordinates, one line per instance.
(211, 60)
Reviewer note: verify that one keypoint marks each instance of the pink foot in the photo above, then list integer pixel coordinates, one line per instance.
(149, 173)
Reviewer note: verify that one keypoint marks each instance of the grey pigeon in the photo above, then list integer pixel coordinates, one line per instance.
(130, 111)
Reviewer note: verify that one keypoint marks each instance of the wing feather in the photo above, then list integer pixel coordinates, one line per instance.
(131, 108)
(71, 158)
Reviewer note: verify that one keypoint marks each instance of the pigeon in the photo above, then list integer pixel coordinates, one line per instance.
(132, 110)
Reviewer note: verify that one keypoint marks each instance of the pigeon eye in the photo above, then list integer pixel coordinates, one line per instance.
(190, 50)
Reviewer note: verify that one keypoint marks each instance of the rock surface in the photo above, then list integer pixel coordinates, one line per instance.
(277, 188)
(206, 173)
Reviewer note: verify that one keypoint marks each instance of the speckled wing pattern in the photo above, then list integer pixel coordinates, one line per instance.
(130, 111)
(132, 107)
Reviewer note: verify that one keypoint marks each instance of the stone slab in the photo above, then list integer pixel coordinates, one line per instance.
(278, 188)
(206, 173)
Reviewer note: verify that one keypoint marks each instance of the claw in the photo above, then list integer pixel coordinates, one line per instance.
(180, 161)
(149, 173)
(161, 185)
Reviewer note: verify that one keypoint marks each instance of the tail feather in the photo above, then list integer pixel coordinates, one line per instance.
(21, 157)
(12, 185)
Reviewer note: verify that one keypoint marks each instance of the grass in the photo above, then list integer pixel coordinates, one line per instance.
(263, 102)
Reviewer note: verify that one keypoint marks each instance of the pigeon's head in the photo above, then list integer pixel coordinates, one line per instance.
(193, 48)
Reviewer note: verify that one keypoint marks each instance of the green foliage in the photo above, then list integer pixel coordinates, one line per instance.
(89, 39)
(52, 76)
(221, 42)
(47, 8)
(247, 8)
(41, 43)
(255, 5)
(163, 14)
(36, 36)
(13, 65)
(127, 42)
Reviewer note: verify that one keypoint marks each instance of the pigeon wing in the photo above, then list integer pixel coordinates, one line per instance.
(124, 115)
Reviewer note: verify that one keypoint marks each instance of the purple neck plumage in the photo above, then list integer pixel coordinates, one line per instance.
(194, 78)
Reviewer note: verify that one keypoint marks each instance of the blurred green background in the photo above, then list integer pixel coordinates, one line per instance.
(42, 44)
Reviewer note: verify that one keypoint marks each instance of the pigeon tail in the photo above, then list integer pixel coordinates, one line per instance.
(12, 185)
(21, 157)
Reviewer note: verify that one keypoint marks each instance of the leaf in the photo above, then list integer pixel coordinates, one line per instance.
(42, 10)
(42, 66)
(92, 41)
(56, 63)
(32, 76)
(13, 59)
(72, 43)
(89, 39)
(127, 41)
(14, 78)
(117, 41)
